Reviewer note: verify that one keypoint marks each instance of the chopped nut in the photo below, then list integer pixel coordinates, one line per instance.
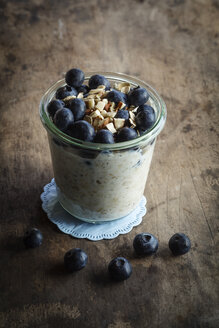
(126, 89)
(95, 122)
(111, 127)
(104, 113)
(100, 124)
(102, 86)
(90, 103)
(131, 108)
(88, 111)
(105, 101)
(132, 116)
(133, 125)
(112, 106)
(80, 95)
(120, 105)
(111, 114)
(120, 86)
(67, 99)
(119, 123)
(135, 110)
(107, 106)
(96, 113)
(96, 91)
(97, 98)
(100, 105)
(106, 121)
(88, 119)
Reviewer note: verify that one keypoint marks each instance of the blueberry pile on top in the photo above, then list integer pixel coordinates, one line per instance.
(99, 112)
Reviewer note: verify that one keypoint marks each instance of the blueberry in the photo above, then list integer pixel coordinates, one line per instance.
(179, 244)
(120, 269)
(81, 130)
(96, 80)
(75, 259)
(146, 118)
(33, 238)
(145, 244)
(74, 77)
(66, 91)
(83, 88)
(63, 118)
(104, 136)
(77, 107)
(144, 107)
(126, 134)
(138, 96)
(116, 96)
(122, 113)
(53, 106)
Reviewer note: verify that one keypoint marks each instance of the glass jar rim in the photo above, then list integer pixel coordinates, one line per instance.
(118, 77)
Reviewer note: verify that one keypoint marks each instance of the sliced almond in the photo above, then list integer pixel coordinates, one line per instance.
(112, 106)
(100, 124)
(96, 91)
(132, 116)
(133, 125)
(120, 86)
(90, 103)
(90, 97)
(120, 105)
(135, 110)
(104, 113)
(111, 114)
(88, 119)
(119, 123)
(106, 121)
(126, 89)
(80, 95)
(111, 127)
(97, 113)
(100, 105)
(105, 101)
(88, 111)
(67, 99)
(107, 106)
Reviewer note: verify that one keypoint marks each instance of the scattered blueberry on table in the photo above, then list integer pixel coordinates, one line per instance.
(120, 269)
(145, 244)
(179, 244)
(75, 259)
(33, 238)
(118, 108)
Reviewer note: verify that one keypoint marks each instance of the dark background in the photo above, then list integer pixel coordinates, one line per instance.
(172, 45)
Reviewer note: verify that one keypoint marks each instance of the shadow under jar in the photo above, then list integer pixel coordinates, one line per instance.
(102, 182)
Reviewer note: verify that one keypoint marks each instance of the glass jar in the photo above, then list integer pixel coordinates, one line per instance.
(101, 182)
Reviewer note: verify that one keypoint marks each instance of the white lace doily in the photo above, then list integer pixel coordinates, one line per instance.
(79, 229)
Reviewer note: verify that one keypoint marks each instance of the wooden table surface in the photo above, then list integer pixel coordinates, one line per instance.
(173, 45)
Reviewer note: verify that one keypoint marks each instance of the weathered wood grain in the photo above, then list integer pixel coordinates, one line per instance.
(173, 45)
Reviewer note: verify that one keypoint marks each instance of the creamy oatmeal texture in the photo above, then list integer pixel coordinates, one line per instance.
(108, 186)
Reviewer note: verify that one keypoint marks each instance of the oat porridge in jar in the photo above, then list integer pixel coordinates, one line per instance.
(101, 181)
